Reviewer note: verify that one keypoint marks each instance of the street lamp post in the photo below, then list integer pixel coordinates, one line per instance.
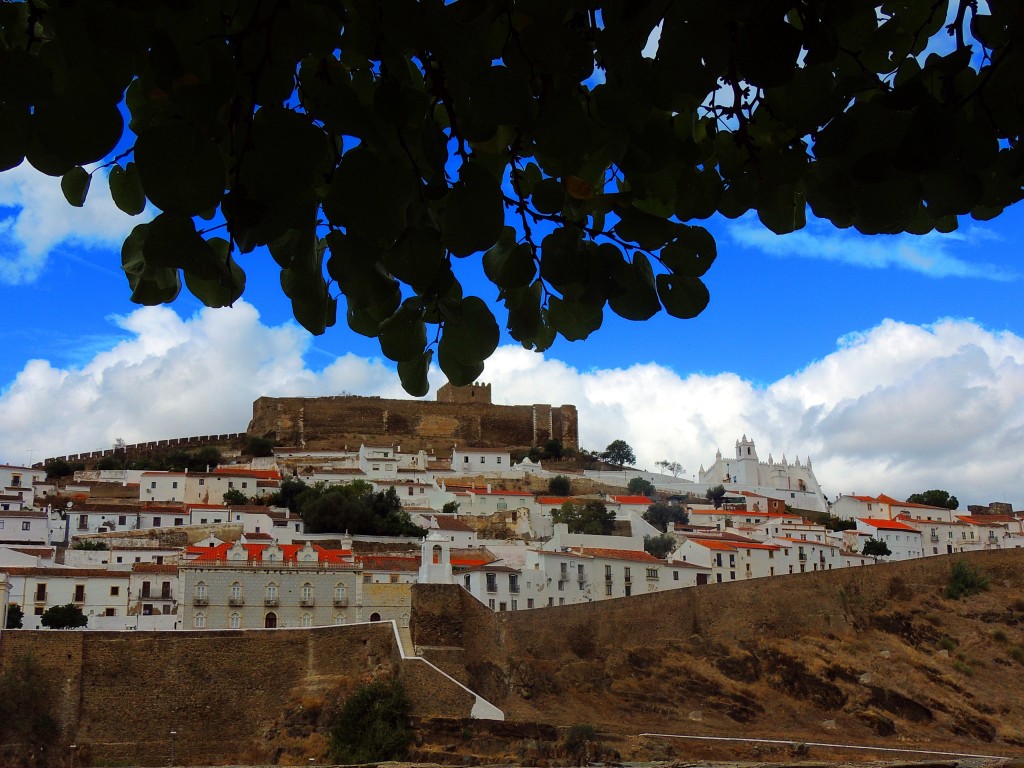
(72, 747)
(174, 735)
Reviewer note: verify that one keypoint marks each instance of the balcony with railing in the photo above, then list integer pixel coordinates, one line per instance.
(270, 601)
(340, 602)
(200, 600)
(236, 600)
(306, 602)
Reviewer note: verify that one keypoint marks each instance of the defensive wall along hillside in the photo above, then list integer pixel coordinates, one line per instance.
(862, 649)
(229, 696)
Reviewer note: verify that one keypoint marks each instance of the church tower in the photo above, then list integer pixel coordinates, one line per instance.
(746, 462)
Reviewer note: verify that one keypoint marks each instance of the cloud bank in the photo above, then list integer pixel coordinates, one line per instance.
(897, 408)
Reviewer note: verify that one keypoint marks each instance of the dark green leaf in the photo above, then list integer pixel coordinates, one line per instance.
(473, 212)
(458, 372)
(683, 297)
(575, 320)
(692, 253)
(150, 285)
(507, 264)
(126, 189)
(403, 335)
(471, 333)
(639, 300)
(75, 186)
(413, 374)
(180, 172)
(224, 289)
(369, 196)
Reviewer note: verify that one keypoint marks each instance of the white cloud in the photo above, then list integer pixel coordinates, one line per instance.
(932, 254)
(36, 222)
(897, 408)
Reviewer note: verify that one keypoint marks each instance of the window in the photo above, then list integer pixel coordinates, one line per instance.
(393, 578)
(271, 596)
(339, 594)
(465, 459)
(122, 519)
(201, 591)
(165, 590)
(652, 573)
(174, 484)
(515, 605)
(153, 484)
(38, 611)
(4, 506)
(498, 460)
(467, 581)
(482, 460)
(79, 593)
(529, 602)
(200, 621)
(608, 573)
(490, 603)
(492, 582)
(202, 481)
(367, 578)
(513, 583)
(608, 589)
(245, 484)
(236, 592)
(179, 521)
(26, 525)
(16, 480)
(307, 620)
(231, 483)
(235, 621)
(145, 589)
(156, 522)
(110, 611)
(501, 606)
(115, 591)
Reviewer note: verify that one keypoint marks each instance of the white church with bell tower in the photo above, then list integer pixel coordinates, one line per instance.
(794, 482)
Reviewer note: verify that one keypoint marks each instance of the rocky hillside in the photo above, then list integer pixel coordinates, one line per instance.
(862, 656)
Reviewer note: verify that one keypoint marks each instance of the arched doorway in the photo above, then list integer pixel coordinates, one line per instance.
(271, 621)
(375, 617)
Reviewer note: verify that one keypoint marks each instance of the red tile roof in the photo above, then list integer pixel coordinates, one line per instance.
(289, 553)
(553, 499)
(265, 474)
(154, 568)
(389, 562)
(887, 525)
(631, 500)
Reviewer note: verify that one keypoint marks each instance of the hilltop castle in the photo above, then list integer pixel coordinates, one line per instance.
(461, 415)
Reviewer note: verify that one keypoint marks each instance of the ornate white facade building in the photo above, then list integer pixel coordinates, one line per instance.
(793, 482)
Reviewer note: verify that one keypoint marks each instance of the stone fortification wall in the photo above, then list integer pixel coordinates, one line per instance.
(224, 693)
(334, 422)
(580, 663)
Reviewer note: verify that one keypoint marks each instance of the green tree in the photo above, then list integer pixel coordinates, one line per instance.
(27, 699)
(373, 726)
(14, 616)
(258, 446)
(364, 150)
(67, 616)
(660, 546)
(662, 515)
(591, 517)
(553, 449)
(641, 487)
(288, 494)
(715, 494)
(450, 508)
(234, 497)
(935, 498)
(110, 462)
(876, 548)
(62, 468)
(355, 508)
(619, 452)
(672, 467)
(560, 485)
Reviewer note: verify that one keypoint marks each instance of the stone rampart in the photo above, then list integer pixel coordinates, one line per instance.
(318, 423)
(223, 693)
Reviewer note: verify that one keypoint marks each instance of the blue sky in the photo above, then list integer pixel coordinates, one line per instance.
(896, 362)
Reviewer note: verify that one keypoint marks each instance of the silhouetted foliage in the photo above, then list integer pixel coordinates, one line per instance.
(662, 515)
(373, 725)
(591, 517)
(560, 485)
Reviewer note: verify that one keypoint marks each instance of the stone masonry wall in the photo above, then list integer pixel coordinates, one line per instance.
(334, 422)
(222, 692)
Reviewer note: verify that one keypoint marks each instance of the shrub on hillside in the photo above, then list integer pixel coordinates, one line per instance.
(373, 725)
(965, 580)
